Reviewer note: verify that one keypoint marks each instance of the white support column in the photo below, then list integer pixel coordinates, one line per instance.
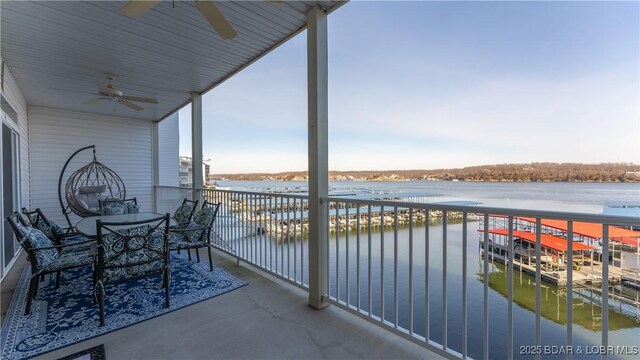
(155, 156)
(196, 143)
(317, 73)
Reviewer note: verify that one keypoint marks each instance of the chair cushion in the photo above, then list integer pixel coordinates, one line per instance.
(204, 217)
(89, 201)
(37, 239)
(131, 208)
(70, 260)
(21, 228)
(51, 230)
(183, 213)
(112, 208)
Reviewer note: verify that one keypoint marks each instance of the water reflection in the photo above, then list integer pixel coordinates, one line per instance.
(586, 312)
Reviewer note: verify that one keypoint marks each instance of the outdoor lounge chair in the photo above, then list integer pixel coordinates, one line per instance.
(197, 233)
(139, 250)
(44, 256)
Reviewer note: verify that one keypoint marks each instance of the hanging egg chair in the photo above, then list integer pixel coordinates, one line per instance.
(87, 186)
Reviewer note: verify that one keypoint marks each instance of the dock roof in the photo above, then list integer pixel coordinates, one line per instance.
(591, 230)
(546, 240)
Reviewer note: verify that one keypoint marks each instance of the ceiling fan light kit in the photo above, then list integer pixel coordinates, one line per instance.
(110, 93)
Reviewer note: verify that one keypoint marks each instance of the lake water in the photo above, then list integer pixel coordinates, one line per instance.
(575, 197)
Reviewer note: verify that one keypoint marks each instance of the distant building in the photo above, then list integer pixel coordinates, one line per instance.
(186, 172)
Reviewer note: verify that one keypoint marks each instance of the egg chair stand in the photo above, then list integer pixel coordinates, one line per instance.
(87, 186)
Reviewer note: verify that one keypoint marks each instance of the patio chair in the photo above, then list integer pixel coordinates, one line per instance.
(139, 250)
(118, 207)
(44, 256)
(57, 234)
(197, 234)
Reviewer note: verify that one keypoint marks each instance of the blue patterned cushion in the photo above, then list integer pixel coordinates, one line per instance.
(49, 230)
(21, 228)
(131, 208)
(192, 235)
(70, 260)
(112, 208)
(204, 217)
(183, 213)
(142, 253)
(37, 239)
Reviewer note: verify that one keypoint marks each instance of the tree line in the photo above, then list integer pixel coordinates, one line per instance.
(534, 172)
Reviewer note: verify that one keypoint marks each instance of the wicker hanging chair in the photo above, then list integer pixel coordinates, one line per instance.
(87, 186)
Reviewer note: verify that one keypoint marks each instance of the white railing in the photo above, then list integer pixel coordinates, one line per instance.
(406, 266)
(265, 230)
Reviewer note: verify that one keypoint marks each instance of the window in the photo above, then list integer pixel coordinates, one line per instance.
(10, 184)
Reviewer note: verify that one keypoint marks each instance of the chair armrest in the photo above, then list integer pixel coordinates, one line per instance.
(69, 234)
(192, 229)
(179, 225)
(61, 246)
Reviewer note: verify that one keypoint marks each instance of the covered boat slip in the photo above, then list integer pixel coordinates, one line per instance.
(553, 259)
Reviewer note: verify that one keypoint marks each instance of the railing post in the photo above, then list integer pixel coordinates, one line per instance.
(155, 160)
(196, 144)
(317, 73)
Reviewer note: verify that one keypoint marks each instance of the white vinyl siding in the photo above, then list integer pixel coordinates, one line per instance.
(122, 144)
(168, 151)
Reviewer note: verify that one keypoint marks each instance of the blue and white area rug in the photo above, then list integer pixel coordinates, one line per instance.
(67, 315)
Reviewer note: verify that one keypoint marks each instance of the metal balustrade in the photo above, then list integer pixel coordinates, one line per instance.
(405, 266)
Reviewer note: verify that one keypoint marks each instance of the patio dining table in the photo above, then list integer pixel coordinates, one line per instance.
(87, 226)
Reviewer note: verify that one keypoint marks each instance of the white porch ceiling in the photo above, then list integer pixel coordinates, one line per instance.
(167, 54)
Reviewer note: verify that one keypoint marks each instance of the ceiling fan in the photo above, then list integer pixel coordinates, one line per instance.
(207, 8)
(109, 93)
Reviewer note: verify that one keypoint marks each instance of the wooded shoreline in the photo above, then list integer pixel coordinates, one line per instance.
(534, 172)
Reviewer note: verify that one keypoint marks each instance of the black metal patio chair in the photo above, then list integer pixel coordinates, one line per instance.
(44, 256)
(197, 233)
(129, 251)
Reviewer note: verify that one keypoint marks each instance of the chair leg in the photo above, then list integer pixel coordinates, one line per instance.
(41, 277)
(36, 286)
(33, 283)
(167, 287)
(210, 262)
(197, 254)
(101, 305)
(58, 280)
(189, 252)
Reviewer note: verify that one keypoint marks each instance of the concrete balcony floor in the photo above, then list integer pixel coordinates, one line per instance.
(268, 319)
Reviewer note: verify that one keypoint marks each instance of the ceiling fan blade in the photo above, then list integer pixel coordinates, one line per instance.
(130, 105)
(93, 101)
(75, 91)
(217, 20)
(139, 99)
(137, 8)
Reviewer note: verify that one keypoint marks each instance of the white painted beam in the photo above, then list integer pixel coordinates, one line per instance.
(317, 74)
(155, 161)
(196, 142)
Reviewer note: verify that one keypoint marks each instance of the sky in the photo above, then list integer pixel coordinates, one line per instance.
(426, 85)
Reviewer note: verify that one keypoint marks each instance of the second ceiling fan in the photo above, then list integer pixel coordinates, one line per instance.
(207, 8)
